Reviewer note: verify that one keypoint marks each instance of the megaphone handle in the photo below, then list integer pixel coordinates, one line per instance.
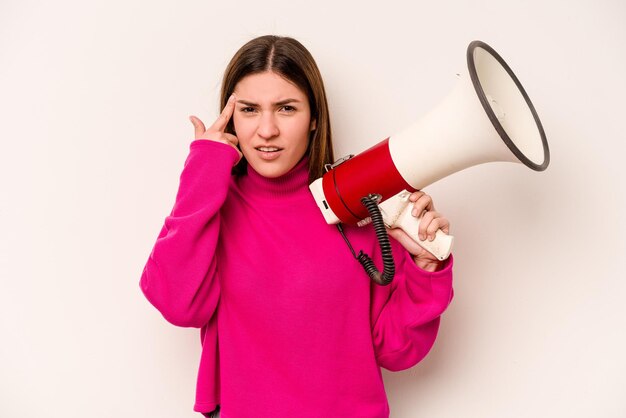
(440, 247)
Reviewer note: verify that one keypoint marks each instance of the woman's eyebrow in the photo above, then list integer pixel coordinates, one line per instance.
(286, 101)
(280, 103)
(247, 103)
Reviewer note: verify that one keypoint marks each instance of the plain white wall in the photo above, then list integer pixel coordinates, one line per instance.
(94, 99)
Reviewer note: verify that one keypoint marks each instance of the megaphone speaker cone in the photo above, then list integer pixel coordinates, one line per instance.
(508, 106)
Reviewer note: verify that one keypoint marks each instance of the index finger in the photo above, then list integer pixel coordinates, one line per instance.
(424, 202)
(222, 120)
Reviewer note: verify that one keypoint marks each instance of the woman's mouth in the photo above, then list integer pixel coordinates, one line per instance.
(269, 153)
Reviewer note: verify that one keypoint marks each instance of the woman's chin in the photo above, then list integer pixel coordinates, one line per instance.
(269, 169)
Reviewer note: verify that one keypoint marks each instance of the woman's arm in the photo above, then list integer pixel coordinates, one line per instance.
(180, 276)
(406, 313)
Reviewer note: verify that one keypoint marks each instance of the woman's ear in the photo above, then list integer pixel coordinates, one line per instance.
(313, 125)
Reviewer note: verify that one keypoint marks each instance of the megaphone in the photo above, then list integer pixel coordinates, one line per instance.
(487, 117)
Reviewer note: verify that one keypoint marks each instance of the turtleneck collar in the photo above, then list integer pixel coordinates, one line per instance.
(293, 184)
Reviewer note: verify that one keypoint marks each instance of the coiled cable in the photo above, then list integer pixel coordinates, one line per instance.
(389, 268)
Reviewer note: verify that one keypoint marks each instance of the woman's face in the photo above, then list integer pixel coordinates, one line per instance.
(272, 121)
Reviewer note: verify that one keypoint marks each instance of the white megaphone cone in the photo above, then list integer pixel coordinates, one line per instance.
(487, 117)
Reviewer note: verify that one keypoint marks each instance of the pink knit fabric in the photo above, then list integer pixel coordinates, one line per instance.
(291, 326)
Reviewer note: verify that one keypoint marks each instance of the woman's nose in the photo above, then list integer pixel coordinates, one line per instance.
(267, 126)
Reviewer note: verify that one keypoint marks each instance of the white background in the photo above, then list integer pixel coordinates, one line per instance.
(94, 100)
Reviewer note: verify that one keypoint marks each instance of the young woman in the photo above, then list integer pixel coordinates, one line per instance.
(291, 325)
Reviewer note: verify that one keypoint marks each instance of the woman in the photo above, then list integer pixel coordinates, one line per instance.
(291, 326)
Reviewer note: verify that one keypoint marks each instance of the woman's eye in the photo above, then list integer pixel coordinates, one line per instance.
(247, 109)
(288, 108)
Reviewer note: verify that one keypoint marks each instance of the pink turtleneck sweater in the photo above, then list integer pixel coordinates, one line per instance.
(291, 325)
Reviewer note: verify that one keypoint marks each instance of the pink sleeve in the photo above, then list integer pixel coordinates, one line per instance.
(180, 278)
(406, 313)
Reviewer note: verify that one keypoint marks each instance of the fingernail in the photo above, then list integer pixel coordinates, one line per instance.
(422, 237)
(232, 97)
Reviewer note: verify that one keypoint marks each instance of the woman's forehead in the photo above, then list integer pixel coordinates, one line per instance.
(267, 88)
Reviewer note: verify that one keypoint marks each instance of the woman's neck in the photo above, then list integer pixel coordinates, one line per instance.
(293, 184)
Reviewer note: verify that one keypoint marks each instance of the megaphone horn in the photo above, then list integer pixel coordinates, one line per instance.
(487, 117)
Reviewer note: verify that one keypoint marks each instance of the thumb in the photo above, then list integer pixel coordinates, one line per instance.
(199, 128)
(406, 241)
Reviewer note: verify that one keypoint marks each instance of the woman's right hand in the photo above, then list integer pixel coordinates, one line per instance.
(216, 131)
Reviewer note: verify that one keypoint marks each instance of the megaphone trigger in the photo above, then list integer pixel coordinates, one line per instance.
(396, 213)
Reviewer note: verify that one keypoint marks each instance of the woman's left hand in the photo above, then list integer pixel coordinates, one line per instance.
(430, 222)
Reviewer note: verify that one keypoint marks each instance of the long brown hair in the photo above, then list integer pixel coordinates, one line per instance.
(290, 59)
